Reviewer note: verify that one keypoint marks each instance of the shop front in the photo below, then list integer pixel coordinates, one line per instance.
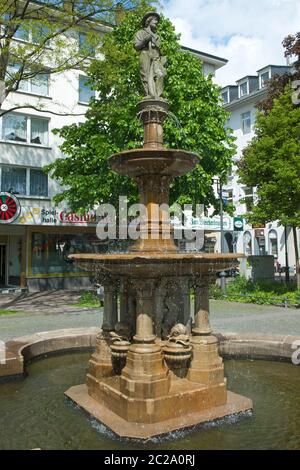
(34, 248)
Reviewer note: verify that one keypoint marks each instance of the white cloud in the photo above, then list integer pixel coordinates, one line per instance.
(248, 33)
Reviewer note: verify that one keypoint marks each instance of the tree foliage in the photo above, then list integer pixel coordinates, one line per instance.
(42, 36)
(196, 123)
(271, 162)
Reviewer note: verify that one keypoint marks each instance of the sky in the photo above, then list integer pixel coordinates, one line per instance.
(248, 33)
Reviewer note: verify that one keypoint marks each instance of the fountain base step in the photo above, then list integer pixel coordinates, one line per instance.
(122, 428)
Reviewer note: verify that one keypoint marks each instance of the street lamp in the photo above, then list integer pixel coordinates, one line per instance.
(218, 183)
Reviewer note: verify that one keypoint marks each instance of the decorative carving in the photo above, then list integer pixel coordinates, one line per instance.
(179, 336)
(119, 346)
(121, 333)
(104, 277)
(154, 183)
(177, 351)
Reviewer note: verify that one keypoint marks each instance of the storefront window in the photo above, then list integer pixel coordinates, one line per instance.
(50, 251)
(247, 243)
(273, 243)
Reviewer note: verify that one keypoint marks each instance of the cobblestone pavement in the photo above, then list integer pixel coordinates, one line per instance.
(47, 313)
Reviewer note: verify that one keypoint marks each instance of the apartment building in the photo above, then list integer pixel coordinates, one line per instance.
(241, 100)
(36, 236)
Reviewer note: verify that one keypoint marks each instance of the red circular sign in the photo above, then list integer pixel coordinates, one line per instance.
(9, 208)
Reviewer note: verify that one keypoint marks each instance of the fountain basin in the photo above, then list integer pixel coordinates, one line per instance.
(37, 409)
(157, 264)
(163, 162)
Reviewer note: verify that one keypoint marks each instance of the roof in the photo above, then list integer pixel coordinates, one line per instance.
(276, 66)
(213, 59)
(247, 76)
(256, 95)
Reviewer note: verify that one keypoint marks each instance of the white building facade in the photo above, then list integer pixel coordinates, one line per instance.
(34, 246)
(241, 100)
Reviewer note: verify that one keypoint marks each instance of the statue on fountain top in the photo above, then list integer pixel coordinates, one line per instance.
(152, 63)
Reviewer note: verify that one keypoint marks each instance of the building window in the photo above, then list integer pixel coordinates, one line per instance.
(264, 79)
(273, 243)
(246, 122)
(13, 180)
(39, 84)
(22, 33)
(225, 97)
(39, 131)
(85, 46)
(22, 128)
(24, 181)
(230, 196)
(247, 243)
(244, 89)
(85, 90)
(14, 127)
(39, 33)
(12, 71)
(249, 199)
(38, 183)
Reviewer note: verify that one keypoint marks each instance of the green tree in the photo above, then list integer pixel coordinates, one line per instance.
(38, 37)
(271, 163)
(196, 123)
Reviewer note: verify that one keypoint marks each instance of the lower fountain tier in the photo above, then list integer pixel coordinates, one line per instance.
(186, 405)
(159, 161)
(153, 265)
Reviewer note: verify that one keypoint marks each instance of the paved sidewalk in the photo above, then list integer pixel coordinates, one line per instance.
(226, 317)
(56, 301)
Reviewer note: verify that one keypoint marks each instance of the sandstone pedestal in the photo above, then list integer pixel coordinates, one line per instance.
(188, 418)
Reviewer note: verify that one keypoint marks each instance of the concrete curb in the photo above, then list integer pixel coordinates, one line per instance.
(21, 350)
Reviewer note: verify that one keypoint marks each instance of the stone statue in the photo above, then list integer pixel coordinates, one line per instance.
(151, 62)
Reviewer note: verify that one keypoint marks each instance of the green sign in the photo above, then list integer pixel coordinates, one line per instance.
(238, 224)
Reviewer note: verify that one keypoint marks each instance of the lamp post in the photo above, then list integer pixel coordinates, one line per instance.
(220, 193)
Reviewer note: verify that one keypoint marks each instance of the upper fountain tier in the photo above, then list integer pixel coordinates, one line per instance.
(153, 158)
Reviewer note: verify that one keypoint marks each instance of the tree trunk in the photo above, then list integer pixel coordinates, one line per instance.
(287, 268)
(296, 256)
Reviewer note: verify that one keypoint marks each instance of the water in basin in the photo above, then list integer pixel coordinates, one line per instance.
(35, 414)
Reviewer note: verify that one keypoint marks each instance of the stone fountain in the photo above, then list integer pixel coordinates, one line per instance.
(154, 370)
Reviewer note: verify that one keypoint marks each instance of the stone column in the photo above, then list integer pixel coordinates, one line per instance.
(124, 303)
(206, 365)
(202, 325)
(185, 303)
(100, 364)
(131, 304)
(145, 375)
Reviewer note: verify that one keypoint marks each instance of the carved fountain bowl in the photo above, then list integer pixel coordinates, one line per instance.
(152, 265)
(164, 162)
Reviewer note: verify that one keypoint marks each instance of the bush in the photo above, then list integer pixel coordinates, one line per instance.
(258, 292)
(89, 299)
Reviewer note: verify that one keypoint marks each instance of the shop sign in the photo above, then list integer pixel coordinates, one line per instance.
(10, 208)
(238, 223)
(205, 223)
(55, 216)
